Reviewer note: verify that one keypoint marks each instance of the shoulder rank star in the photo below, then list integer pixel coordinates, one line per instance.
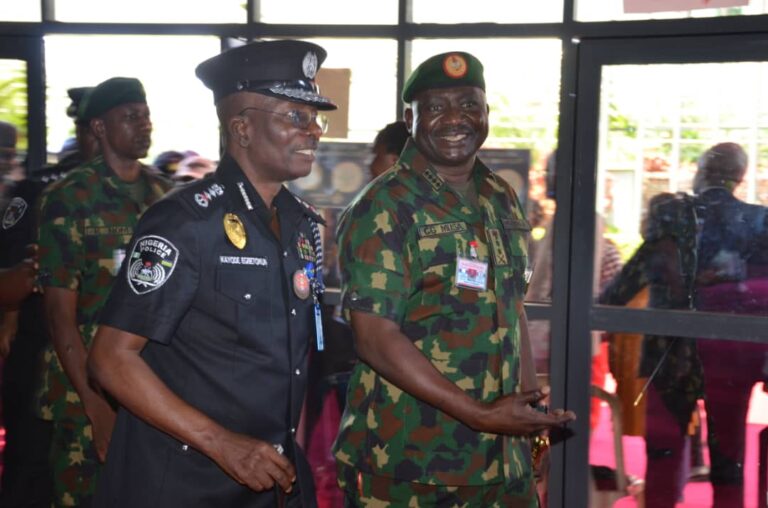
(235, 230)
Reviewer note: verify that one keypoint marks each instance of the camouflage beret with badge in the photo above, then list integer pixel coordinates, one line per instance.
(110, 94)
(284, 69)
(445, 70)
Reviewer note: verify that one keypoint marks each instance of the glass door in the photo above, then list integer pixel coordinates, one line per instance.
(22, 100)
(670, 161)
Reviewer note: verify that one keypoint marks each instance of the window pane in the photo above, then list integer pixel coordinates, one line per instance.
(693, 430)
(13, 110)
(151, 11)
(487, 11)
(13, 98)
(613, 10)
(371, 103)
(658, 181)
(523, 129)
(20, 11)
(336, 12)
(183, 114)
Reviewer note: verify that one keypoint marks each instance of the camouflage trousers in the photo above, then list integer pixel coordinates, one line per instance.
(74, 463)
(369, 491)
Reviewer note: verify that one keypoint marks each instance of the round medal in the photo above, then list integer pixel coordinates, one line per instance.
(301, 284)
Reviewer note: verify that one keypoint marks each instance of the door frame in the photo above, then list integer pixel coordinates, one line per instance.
(30, 50)
(574, 313)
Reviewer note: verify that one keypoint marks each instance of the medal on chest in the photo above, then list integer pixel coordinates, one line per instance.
(471, 273)
(301, 283)
(305, 283)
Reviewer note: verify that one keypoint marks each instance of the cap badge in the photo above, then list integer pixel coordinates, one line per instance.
(455, 66)
(309, 65)
(235, 230)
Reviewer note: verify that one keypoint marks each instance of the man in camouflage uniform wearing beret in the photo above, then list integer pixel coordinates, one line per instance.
(86, 220)
(433, 255)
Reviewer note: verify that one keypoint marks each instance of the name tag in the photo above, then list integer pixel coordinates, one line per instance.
(512, 223)
(108, 230)
(242, 260)
(445, 228)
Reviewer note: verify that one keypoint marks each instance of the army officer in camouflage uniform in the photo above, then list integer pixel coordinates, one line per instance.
(432, 255)
(86, 221)
(206, 335)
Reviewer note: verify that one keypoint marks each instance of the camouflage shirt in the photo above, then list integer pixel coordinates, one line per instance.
(86, 221)
(399, 242)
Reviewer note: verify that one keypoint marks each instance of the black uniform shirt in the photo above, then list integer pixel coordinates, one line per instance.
(228, 333)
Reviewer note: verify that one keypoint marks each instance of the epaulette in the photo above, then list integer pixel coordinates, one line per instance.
(200, 196)
(311, 208)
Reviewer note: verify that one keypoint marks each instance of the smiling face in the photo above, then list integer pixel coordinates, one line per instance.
(449, 125)
(125, 131)
(266, 141)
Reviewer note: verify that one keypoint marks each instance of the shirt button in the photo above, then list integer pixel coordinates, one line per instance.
(298, 372)
(184, 447)
(247, 296)
(285, 253)
(293, 312)
(293, 430)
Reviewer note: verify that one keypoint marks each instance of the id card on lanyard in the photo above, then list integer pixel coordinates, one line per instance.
(471, 273)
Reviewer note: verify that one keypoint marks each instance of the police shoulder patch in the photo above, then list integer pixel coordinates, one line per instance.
(14, 212)
(151, 263)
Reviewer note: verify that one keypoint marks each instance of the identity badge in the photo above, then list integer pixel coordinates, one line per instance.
(471, 274)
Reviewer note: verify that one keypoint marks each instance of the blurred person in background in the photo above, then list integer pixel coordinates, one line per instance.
(387, 145)
(704, 252)
(26, 477)
(193, 167)
(86, 221)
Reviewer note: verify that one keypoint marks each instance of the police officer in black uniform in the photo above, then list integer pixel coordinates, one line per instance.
(26, 479)
(205, 336)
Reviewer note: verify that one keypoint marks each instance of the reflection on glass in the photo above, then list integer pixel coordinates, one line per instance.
(656, 177)
(687, 154)
(487, 11)
(20, 11)
(13, 99)
(150, 11)
(690, 434)
(524, 117)
(624, 10)
(333, 12)
(183, 114)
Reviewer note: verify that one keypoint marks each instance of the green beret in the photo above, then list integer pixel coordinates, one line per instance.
(76, 95)
(446, 70)
(110, 94)
(80, 106)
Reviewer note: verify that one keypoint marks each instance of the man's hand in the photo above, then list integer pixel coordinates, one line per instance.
(102, 418)
(253, 463)
(18, 281)
(514, 415)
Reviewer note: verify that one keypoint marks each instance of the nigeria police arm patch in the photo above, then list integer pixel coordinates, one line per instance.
(14, 212)
(151, 263)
